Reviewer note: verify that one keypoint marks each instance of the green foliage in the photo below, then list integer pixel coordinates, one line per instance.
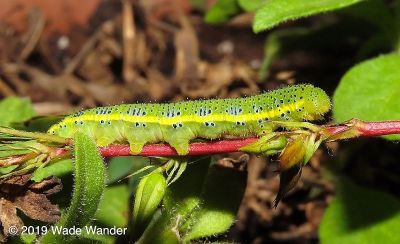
(251, 5)
(222, 11)
(179, 201)
(198, 204)
(89, 186)
(360, 215)
(89, 182)
(219, 204)
(370, 91)
(200, 200)
(120, 167)
(58, 169)
(113, 206)
(148, 196)
(13, 109)
(275, 12)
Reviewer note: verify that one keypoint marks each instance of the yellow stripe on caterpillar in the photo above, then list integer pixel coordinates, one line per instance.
(190, 118)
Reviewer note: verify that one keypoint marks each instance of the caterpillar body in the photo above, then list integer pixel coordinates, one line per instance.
(179, 123)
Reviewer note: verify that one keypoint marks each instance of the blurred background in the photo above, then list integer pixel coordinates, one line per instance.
(69, 55)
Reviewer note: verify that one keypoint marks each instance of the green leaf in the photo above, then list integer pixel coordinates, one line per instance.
(113, 207)
(23, 239)
(58, 169)
(222, 194)
(251, 5)
(91, 238)
(370, 91)
(275, 12)
(89, 182)
(361, 215)
(162, 229)
(180, 199)
(89, 186)
(8, 169)
(14, 109)
(179, 194)
(148, 196)
(119, 167)
(222, 11)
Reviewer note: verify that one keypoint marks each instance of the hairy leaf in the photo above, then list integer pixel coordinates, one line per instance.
(275, 12)
(89, 186)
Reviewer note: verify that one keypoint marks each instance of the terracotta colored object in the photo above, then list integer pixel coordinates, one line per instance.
(60, 15)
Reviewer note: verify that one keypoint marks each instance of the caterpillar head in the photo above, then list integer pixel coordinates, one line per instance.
(60, 129)
(317, 103)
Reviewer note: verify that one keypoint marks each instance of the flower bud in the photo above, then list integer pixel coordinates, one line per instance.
(293, 153)
(148, 196)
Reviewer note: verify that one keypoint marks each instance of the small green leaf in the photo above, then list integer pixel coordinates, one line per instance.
(120, 167)
(275, 12)
(113, 207)
(370, 91)
(222, 11)
(8, 169)
(58, 169)
(23, 239)
(179, 201)
(251, 5)
(222, 194)
(14, 109)
(148, 196)
(89, 186)
(360, 215)
(184, 197)
(162, 229)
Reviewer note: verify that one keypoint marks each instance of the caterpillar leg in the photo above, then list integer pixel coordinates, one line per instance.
(181, 146)
(136, 147)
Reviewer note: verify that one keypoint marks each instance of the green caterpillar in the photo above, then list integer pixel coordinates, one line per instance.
(179, 123)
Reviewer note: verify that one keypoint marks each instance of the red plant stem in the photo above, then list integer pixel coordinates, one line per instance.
(196, 148)
(368, 129)
(365, 129)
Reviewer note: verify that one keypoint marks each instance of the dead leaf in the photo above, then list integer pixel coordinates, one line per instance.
(19, 192)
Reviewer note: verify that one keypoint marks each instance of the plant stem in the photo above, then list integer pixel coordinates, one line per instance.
(361, 129)
(33, 135)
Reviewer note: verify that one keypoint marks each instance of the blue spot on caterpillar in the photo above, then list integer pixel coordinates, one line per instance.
(178, 123)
